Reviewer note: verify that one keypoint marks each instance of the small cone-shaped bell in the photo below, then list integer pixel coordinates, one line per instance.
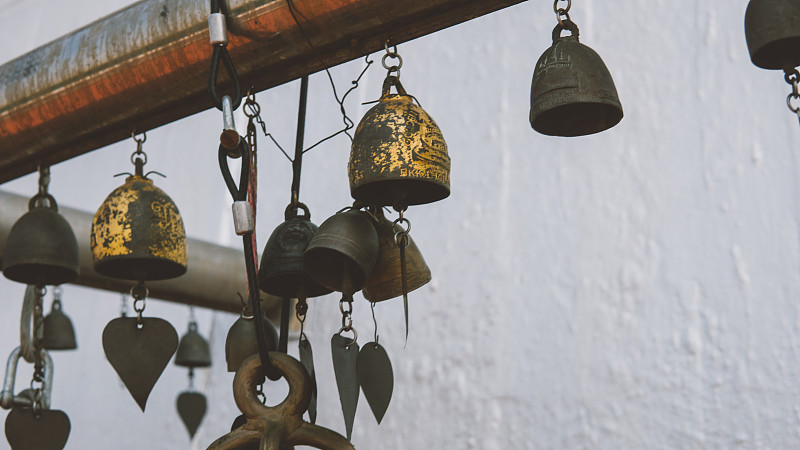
(386, 280)
(281, 271)
(241, 341)
(41, 248)
(398, 156)
(343, 251)
(138, 234)
(193, 349)
(58, 331)
(572, 92)
(772, 29)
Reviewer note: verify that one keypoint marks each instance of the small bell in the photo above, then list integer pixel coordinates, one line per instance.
(572, 92)
(399, 156)
(41, 248)
(193, 349)
(386, 279)
(343, 251)
(772, 29)
(241, 340)
(58, 332)
(138, 234)
(281, 273)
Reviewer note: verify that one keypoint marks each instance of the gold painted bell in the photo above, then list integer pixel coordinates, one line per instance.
(572, 92)
(386, 280)
(399, 156)
(772, 29)
(138, 234)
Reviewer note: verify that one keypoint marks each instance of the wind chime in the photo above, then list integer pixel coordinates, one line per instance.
(572, 92)
(192, 353)
(772, 29)
(137, 234)
(41, 250)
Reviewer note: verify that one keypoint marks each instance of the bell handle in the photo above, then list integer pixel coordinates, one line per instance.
(565, 25)
(35, 202)
(390, 81)
(292, 208)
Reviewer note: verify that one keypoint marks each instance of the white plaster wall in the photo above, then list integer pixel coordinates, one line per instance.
(632, 289)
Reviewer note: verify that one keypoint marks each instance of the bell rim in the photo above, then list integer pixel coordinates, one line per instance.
(288, 284)
(367, 192)
(765, 30)
(614, 118)
(388, 285)
(173, 269)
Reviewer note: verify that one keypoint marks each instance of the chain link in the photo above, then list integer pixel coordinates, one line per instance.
(792, 77)
(139, 154)
(562, 14)
(393, 69)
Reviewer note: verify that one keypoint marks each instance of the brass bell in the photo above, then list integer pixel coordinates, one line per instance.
(386, 280)
(772, 29)
(572, 92)
(58, 333)
(41, 248)
(281, 271)
(399, 156)
(343, 251)
(138, 234)
(193, 349)
(241, 340)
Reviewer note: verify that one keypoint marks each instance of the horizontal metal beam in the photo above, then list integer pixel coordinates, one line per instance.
(215, 274)
(147, 65)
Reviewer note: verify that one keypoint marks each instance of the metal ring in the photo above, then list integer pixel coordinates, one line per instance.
(791, 76)
(139, 141)
(355, 335)
(142, 156)
(136, 291)
(557, 9)
(399, 222)
(139, 310)
(563, 17)
(795, 109)
(349, 306)
(395, 56)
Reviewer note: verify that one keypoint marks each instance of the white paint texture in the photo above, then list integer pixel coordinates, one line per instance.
(632, 289)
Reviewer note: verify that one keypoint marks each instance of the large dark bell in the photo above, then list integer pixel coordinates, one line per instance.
(281, 273)
(58, 331)
(241, 341)
(138, 234)
(772, 29)
(572, 92)
(399, 156)
(41, 248)
(343, 251)
(193, 349)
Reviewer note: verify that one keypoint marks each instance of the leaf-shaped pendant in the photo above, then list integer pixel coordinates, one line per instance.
(47, 430)
(191, 408)
(345, 356)
(307, 360)
(376, 378)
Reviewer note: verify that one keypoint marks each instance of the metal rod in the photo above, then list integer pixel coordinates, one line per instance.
(147, 65)
(297, 162)
(215, 274)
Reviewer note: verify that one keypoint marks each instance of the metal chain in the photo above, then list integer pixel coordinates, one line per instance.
(139, 156)
(562, 14)
(394, 69)
(347, 314)
(793, 78)
(38, 334)
(374, 321)
(301, 309)
(139, 292)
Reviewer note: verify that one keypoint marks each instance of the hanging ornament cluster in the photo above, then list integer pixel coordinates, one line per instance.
(192, 353)
(572, 92)
(772, 29)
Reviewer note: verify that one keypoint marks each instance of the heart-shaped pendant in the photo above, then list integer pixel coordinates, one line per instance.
(345, 355)
(191, 408)
(376, 378)
(139, 355)
(47, 430)
(307, 360)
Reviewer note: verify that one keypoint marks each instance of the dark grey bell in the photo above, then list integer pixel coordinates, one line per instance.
(772, 29)
(41, 248)
(58, 331)
(241, 341)
(193, 349)
(572, 92)
(281, 273)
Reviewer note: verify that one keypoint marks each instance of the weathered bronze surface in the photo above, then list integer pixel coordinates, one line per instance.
(572, 92)
(345, 359)
(59, 334)
(386, 280)
(281, 272)
(45, 430)
(241, 341)
(191, 408)
(307, 360)
(376, 378)
(138, 234)
(193, 349)
(139, 355)
(278, 427)
(343, 251)
(399, 156)
(41, 248)
(772, 29)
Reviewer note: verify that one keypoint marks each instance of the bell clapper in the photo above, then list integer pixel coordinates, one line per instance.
(403, 240)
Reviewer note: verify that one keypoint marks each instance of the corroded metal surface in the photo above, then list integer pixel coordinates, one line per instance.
(147, 65)
(138, 234)
(772, 29)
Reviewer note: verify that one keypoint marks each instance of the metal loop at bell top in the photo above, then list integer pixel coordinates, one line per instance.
(36, 202)
(565, 25)
(390, 81)
(293, 208)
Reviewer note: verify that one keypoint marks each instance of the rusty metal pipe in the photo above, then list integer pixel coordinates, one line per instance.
(147, 65)
(214, 277)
